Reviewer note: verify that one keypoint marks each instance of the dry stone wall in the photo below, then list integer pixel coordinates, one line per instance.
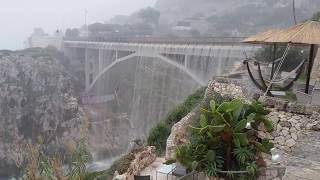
(289, 119)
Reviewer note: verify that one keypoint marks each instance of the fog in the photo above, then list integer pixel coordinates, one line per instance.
(18, 18)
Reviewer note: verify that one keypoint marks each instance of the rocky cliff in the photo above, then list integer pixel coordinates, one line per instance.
(37, 102)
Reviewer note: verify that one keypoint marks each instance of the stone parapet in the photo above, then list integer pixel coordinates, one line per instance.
(292, 107)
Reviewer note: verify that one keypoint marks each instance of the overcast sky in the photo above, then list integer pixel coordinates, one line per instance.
(19, 17)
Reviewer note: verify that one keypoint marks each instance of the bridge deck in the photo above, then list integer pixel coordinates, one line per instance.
(189, 49)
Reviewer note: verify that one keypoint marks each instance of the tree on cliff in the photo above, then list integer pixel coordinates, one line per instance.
(149, 15)
(316, 16)
(72, 33)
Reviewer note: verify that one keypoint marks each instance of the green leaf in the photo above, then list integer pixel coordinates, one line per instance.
(257, 106)
(194, 129)
(261, 148)
(213, 140)
(219, 119)
(237, 112)
(212, 129)
(211, 156)
(267, 144)
(230, 106)
(223, 107)
(210, 135)
(236, 142)
(213, 105)
(194, 165)
(251, 117)
(204, 111)
(203, 120)
(216, 129)
(204, 130)
(241, 125)
(242, 138)
(267, 124)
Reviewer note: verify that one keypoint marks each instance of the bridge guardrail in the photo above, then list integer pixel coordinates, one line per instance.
(164, 40)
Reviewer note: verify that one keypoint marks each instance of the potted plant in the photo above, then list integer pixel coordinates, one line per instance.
(225, 143)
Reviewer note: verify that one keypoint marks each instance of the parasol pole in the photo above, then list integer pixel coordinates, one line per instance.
(274, 47)
(310, 64)
(274, 58)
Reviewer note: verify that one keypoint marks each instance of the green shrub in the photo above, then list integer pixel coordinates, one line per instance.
(316, 16)
(170, 161)
(121, 165)
(95, 175)
(223, 142)
(159, 134)
(181, 110)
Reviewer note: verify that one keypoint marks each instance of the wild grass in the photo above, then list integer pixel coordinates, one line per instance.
(159, 134)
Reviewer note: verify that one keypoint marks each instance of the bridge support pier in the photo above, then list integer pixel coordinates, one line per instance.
(87, 69)
(116, 55)
(186, 61)
(100, 61)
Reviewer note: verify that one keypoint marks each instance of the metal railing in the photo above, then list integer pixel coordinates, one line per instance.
(164, 40)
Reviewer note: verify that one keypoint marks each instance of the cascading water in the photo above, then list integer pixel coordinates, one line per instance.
(144, 87)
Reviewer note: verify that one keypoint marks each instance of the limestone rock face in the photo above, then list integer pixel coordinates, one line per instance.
(142, 160)
(178, 135)
(37, 100)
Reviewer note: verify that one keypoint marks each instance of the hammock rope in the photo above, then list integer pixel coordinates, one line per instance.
(278, 68)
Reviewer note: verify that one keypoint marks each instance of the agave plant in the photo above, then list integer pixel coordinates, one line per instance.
(228, 131)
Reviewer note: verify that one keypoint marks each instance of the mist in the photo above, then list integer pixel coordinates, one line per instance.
(19, 18)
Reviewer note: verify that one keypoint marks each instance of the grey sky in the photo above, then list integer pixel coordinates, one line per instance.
(19, 17)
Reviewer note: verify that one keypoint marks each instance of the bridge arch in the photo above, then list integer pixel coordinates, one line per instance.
(161, 57)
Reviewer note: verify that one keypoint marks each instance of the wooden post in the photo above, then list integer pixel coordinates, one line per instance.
(310, 64)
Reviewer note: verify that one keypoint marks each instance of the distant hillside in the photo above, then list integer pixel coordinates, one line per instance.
(235, 17)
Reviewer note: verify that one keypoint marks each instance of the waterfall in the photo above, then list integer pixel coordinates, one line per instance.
(144, 87)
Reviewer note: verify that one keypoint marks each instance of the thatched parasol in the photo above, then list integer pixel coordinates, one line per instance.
(261, 38)
(303, 33)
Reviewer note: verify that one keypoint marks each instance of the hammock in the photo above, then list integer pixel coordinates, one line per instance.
(254, 60)
(283, 83)
(291, 74)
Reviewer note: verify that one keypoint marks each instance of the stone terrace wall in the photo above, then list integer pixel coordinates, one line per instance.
(289, 119)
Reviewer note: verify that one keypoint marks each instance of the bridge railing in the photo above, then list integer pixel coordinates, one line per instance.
(164, 40)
